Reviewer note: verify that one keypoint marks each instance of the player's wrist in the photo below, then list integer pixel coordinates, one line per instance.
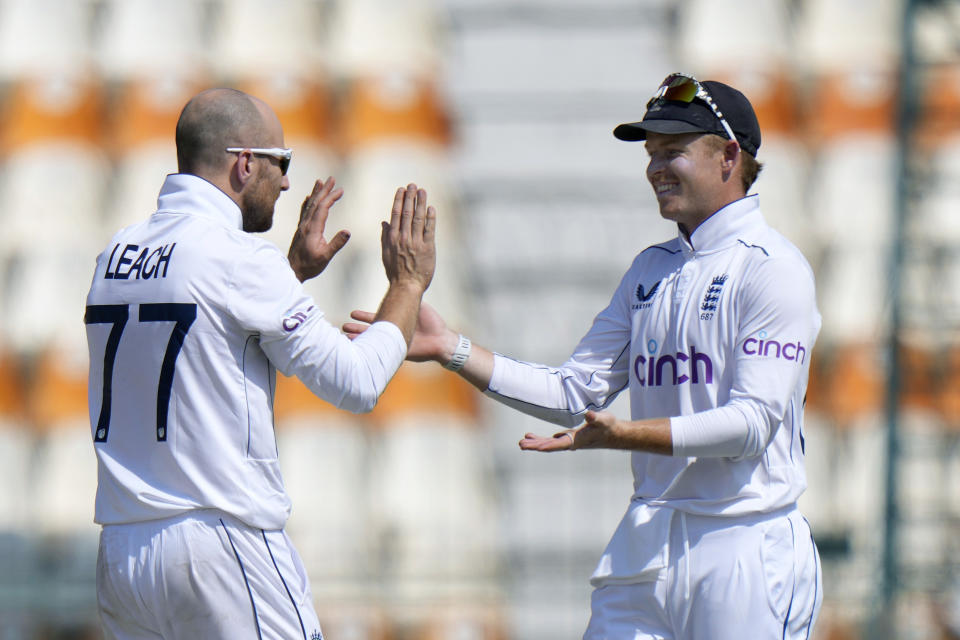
(408, 286)
(456, 351)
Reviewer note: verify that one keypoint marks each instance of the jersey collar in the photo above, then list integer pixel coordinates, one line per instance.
(723, 228)
(186, 193)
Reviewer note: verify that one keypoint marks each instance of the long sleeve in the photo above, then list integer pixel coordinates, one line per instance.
(298, 340)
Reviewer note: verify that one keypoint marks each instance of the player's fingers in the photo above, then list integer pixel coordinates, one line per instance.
(329, 197)
(338, 241)
(363, 316)
(327, 186)
(532, 442)
(406, 215)
(308, 206)
(419, 214)
(353, 329)
(430, 226)
(397, 207)
(385, 229)
(325, 203)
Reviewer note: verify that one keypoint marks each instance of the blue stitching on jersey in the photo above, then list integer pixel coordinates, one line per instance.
(564, 378)
(286, 588)
(243, 369)
(816, 577)
(753, 246)
(657, 246)
(793, 592)
(256, 617)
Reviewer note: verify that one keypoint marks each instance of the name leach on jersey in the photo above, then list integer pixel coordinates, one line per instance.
(144, 266)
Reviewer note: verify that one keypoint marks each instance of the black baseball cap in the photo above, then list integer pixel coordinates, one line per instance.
(665, 115)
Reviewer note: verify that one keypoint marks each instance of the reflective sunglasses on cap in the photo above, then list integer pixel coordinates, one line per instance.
(680, 87)
(282, 155)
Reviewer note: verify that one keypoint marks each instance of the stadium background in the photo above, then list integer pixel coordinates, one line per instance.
(423, 520)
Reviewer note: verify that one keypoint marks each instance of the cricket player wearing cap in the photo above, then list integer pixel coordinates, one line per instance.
(712, 334)
(188, 319)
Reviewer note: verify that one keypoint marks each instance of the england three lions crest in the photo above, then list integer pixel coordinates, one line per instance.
(711, 299)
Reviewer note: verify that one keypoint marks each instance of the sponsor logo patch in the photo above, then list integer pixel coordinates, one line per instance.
(763, 346)
(293, 321)
(644, 297)
(654, 370)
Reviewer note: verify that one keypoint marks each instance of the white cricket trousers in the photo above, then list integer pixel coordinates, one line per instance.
(204, 575)
(755, 577)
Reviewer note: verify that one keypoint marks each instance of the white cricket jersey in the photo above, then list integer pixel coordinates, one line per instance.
(714, 332)
(188, 319)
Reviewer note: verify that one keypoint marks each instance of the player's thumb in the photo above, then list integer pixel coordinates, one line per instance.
(338, 241)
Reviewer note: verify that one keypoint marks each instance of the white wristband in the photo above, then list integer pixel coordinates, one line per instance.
(460, 354)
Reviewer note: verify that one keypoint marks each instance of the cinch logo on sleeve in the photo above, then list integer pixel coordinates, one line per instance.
(292, 322)
(656, 371)
(769, 348)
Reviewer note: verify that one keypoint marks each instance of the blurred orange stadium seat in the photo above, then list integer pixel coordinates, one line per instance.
(848, 102)
(52, 108)
(378, 110)
(948, 396)
(854, 385)
(145, 110)
(939, 116)
(919, 375)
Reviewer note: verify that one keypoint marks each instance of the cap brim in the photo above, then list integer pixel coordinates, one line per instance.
(633, 131)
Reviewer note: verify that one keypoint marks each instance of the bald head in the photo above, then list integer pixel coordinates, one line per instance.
(214, 120)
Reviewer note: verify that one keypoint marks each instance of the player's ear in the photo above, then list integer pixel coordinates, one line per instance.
(243, 169)
(731, 155)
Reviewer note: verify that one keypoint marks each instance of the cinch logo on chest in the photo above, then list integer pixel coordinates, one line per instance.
(652, 371)
(142, 263)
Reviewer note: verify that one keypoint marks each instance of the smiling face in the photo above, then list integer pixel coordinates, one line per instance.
(691, 175)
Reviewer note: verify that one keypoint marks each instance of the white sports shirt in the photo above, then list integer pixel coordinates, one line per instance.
(714, 332)
(188, 319)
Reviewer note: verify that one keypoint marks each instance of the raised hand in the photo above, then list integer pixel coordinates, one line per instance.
(310, 252)
(409, 257)
(408, 240)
